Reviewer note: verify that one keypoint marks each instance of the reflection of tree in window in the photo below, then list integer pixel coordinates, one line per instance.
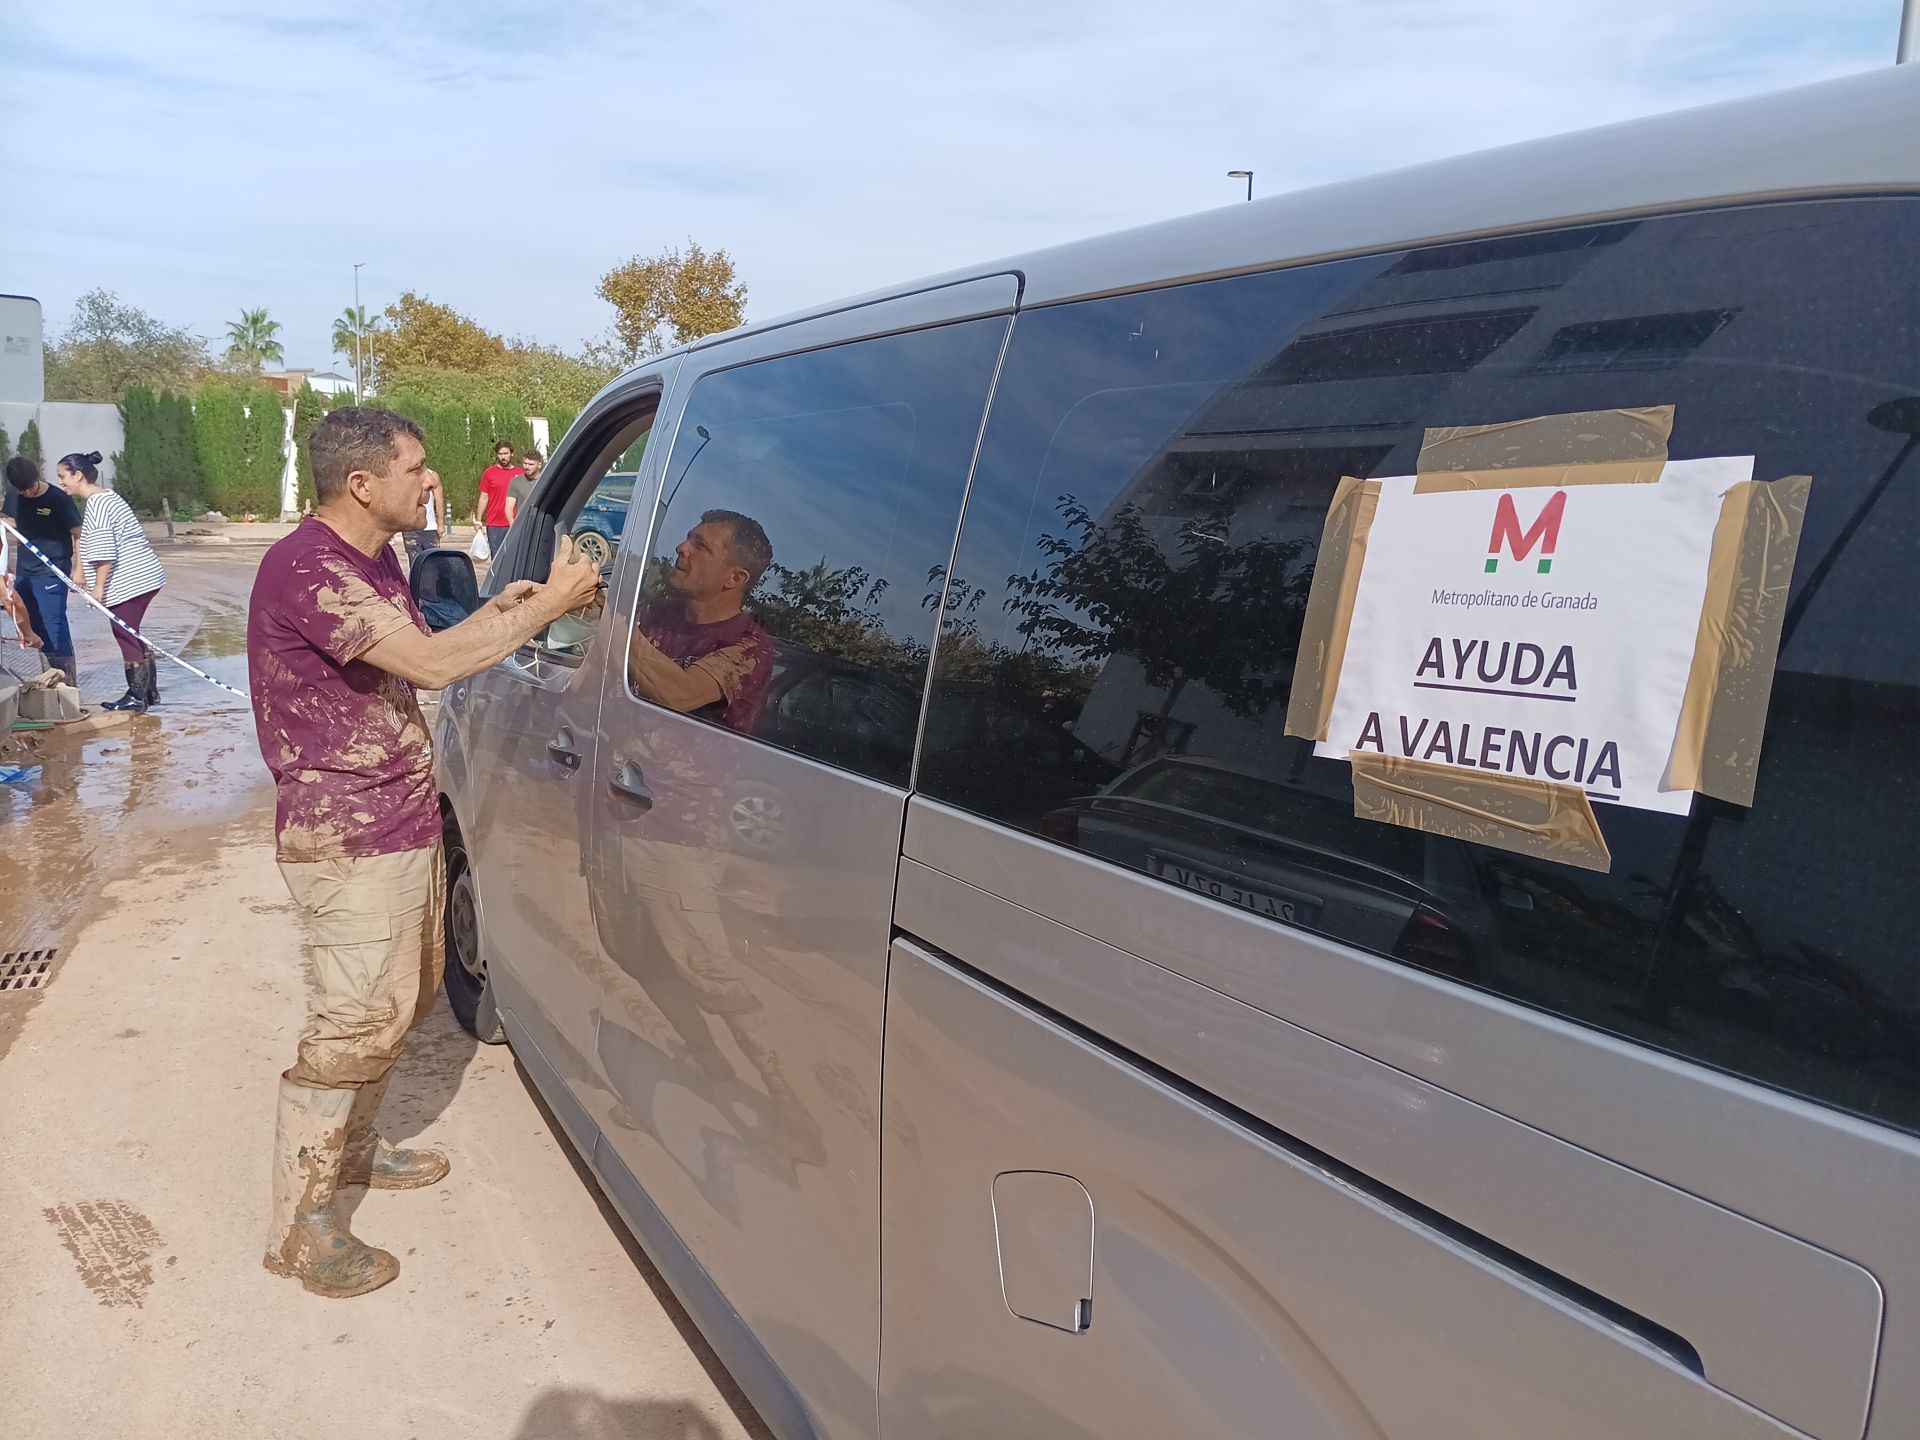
(1225, 615)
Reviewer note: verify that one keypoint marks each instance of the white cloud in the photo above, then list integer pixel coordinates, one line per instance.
(499, 155)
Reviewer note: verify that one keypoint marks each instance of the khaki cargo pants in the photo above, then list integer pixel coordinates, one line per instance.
(379, 946)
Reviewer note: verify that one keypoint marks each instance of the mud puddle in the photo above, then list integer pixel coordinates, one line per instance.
(155, 790)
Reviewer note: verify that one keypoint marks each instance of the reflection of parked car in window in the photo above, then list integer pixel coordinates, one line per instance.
(1283, 851)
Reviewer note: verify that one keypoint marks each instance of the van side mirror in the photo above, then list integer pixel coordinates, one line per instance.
(444, 587)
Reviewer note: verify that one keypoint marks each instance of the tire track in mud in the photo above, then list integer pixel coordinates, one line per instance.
(112, 1245)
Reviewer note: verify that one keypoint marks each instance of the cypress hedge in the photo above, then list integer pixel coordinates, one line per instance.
(30, 441)
(178, 458)
(220, 444)
(136, 468)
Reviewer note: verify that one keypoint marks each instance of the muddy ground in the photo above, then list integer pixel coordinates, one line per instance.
(136, 1118)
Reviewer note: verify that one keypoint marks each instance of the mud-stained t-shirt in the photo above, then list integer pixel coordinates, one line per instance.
(735, 652)
(346, 742)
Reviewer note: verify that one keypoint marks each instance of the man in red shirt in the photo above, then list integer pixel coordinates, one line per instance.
(336, 648)
(492, 509)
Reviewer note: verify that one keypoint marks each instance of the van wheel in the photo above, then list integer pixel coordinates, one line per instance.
(469, 995)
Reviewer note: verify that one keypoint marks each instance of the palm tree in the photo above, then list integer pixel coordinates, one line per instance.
(250, 339)
(353, 320)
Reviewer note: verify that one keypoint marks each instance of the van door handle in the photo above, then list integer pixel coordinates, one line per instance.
(628, 783)
(564, 748)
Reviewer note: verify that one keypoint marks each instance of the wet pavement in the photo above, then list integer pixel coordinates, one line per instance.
(138, 1086)
(93, 808)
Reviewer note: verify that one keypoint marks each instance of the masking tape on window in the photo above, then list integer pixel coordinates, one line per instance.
(1329, 615)
(1513, 812)
(1589, 447)
(1716, 749)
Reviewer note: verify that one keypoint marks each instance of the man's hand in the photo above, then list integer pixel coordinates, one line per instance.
(513, 595)
(574, 579)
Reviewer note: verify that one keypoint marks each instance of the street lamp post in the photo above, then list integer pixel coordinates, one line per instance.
(1246, 175)
(357, 327)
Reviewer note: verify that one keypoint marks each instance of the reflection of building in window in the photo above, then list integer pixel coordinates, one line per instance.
(1504, 265)
(1416, 345)
(1637, 342)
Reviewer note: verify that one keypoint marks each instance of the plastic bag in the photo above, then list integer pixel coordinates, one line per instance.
(480, 549)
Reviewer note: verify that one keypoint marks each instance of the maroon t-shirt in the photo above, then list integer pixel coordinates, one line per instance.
(735, 652)
(346, 742)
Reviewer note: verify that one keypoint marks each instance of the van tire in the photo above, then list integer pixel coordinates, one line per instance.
(469, 992)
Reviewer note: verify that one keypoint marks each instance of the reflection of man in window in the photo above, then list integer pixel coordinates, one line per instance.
(695, 649)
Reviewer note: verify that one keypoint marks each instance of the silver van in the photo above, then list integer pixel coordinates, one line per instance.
(994, 1024)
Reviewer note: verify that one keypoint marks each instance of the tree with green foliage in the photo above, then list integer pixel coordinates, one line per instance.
(558, 423)
(136, 468)
(251, 342)
(508, 422)
(668, 299)
(266, 453)
(309, 408)
(108, 346)
(355, 324)
(419, 332)
(6, 444)
(220, 444)
(30, 442)
(179, 461)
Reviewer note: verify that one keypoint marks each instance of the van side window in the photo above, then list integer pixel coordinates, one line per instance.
(1120, 631)
(590, 506)
(809, 506)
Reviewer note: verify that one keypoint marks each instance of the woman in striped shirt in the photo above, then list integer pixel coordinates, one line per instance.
(124, 572)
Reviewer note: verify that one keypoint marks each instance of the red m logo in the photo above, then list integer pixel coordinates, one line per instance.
(1544, 532)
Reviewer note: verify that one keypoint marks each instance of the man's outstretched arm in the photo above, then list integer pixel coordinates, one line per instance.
(494, 632)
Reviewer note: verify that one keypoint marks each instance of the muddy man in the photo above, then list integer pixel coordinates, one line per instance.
(338, 652)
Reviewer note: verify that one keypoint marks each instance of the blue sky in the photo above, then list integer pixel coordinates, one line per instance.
(197, 156)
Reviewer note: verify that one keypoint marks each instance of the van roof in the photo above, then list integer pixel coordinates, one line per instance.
(1850, 135)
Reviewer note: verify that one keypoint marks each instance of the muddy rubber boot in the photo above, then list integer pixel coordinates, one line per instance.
(150, 681)
(307, 1240)
(371, 1161)
(65, 665)
(136, 697)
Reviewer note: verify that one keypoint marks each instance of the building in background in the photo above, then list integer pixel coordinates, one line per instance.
(326, 382)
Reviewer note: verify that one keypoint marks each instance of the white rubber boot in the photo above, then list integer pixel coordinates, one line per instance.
(371, 1161)
(307, 1240)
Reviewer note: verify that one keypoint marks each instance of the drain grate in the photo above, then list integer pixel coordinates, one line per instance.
(25, 969)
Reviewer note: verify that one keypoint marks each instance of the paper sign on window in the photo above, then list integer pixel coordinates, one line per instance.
(1545, 631)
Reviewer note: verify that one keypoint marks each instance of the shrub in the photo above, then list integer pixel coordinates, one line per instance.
(136, 468)
(30, 441)
(178, 459)
(509, 423)
(558, 423)
(266, 451)
(220, 445)
(6, 444)
(309, 407)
